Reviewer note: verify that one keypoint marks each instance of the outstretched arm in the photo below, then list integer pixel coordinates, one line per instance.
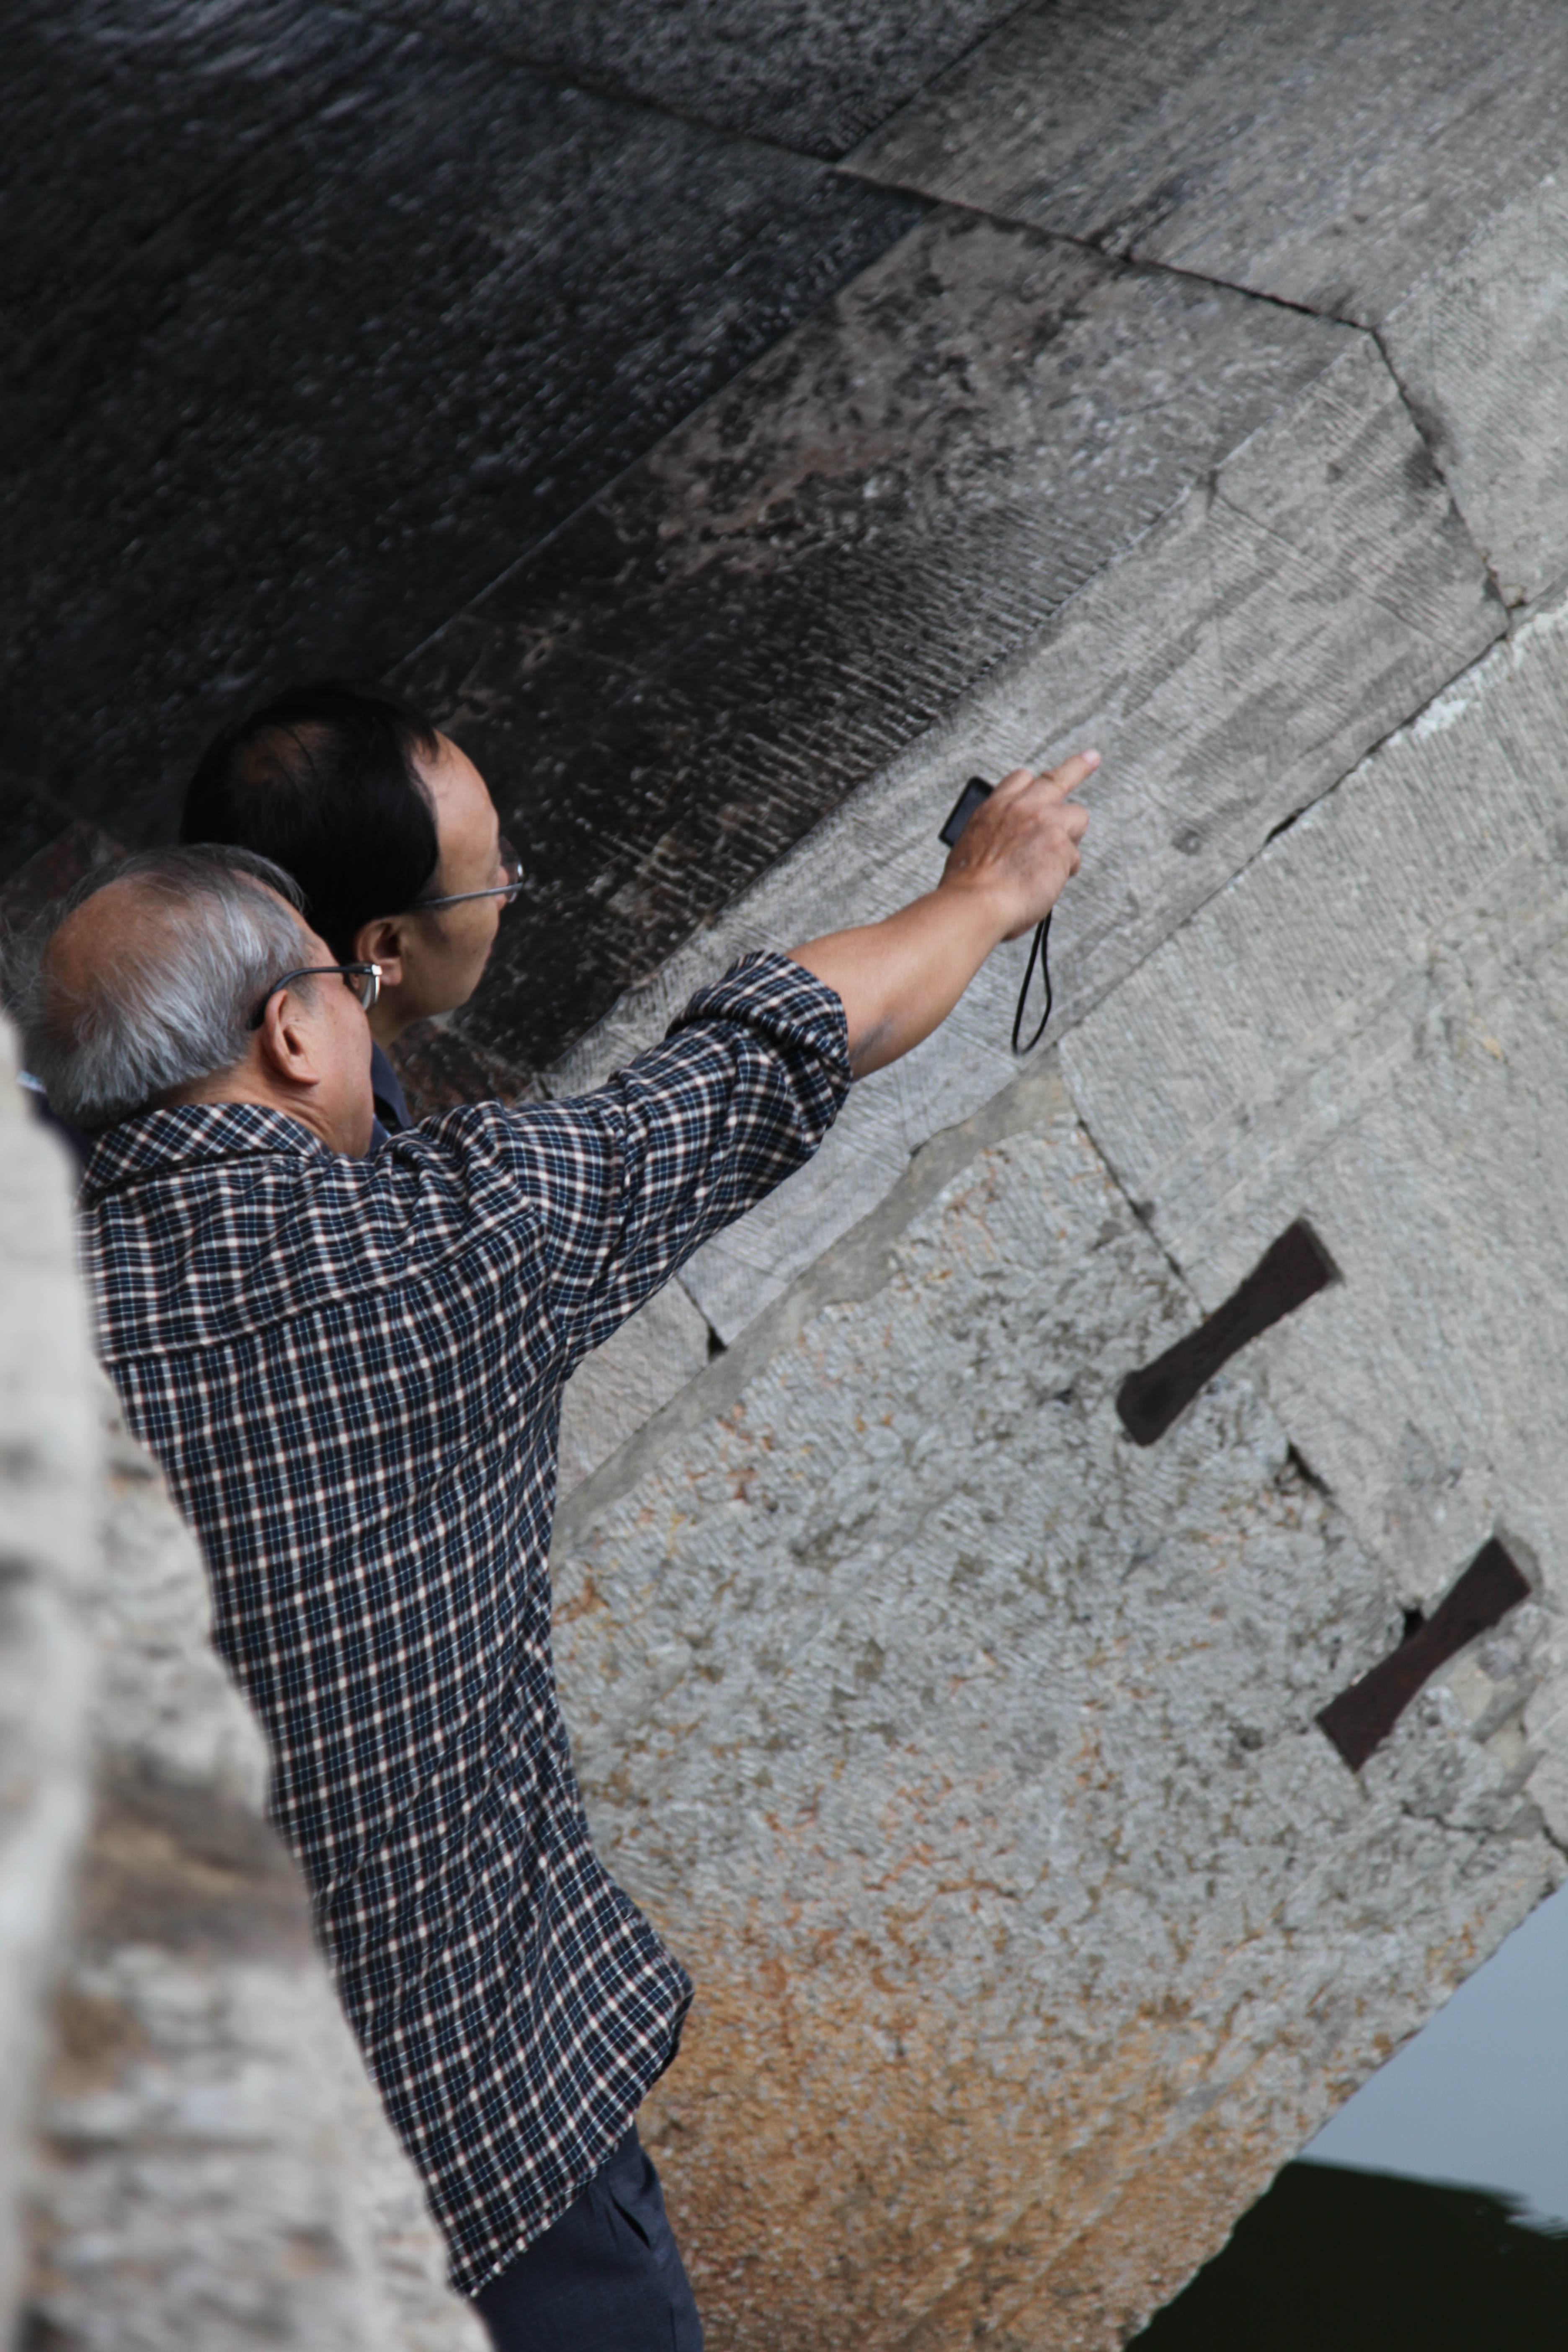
(899, 980)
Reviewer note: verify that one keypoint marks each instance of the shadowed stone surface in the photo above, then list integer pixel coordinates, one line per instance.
(1231, 666)
(1328, 153)
(800, 580)
(116, 114)
(314, 414)
(813, 74)
(1368, 1026)
(967, 1754)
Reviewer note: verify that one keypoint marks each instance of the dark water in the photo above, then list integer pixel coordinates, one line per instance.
(1337, 2260)
(1374, 2246)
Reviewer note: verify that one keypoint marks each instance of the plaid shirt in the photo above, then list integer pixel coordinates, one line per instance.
(351, 1371)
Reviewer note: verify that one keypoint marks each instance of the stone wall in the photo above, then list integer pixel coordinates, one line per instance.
(967, 1751)
(969, 1755)
(193, 2154)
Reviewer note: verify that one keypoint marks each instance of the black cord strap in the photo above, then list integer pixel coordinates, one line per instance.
(1039, 946)
(974, 791)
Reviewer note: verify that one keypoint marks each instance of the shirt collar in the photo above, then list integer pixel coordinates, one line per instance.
(387, 1089)
(158, 1141)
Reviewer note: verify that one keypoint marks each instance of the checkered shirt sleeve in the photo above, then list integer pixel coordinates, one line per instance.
(350, 1371)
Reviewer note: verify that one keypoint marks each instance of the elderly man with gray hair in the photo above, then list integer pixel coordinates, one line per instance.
(350, 1366)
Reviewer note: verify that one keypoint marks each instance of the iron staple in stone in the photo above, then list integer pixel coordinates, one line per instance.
(968, 1753)
(1367, 1029)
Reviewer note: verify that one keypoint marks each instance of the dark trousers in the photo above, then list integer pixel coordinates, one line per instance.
(607, 2277)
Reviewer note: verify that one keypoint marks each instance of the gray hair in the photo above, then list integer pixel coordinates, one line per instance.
(175, 1004)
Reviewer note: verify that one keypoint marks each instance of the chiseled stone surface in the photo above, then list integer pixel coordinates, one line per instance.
(117, 114)
(1402, 168)
(813, 74)
(624, 1383)
(1329, 153)
(388, 349)
(48, 1457)
(1231, 666)
(1481, 349)
(967, 1754)
(796, 585)
(1368, 1029)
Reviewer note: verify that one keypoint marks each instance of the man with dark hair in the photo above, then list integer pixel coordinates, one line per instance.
(390, 832)
(351, 1368)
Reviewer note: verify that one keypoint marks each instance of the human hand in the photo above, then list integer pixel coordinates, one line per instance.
(1020, 848)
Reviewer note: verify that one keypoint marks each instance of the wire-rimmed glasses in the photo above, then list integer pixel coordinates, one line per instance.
(363, 979)
(511, 868)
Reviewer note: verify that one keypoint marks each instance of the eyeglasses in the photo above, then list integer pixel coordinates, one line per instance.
(363, 979)
(511, 868)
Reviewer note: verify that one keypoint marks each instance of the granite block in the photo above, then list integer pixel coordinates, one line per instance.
(1232, 666)
(1326, 154)
(1480, 348)
(116, 114)
(314, 414)
(1367, 1030)
(796, 584)
(968, 1753)
(810, 74)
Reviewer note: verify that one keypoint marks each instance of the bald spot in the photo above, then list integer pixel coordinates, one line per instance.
(124, 925)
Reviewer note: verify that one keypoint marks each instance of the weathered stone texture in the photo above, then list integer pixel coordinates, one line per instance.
(1480, 348)
(1367, 1029)
(383, 315)
(120, 113)
(798, 584)
(967, 1753)
(191, 2153)
(1327, 154)
(48, 1463)
(213, 2168)
(1231, 666)
(624, 1383)
(816, 74)
(1398, 168)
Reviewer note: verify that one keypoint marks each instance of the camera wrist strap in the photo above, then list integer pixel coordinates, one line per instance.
(974, 791)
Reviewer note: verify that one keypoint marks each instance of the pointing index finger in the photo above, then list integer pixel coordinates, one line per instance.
(1070, 774)
(1057, 782)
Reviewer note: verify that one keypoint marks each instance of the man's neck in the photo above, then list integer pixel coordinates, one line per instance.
(246, 1085)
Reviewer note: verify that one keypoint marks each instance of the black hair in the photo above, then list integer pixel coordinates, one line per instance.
(324, 782)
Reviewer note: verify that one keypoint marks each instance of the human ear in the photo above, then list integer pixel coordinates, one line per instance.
(381, 941)
(286, 1041)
